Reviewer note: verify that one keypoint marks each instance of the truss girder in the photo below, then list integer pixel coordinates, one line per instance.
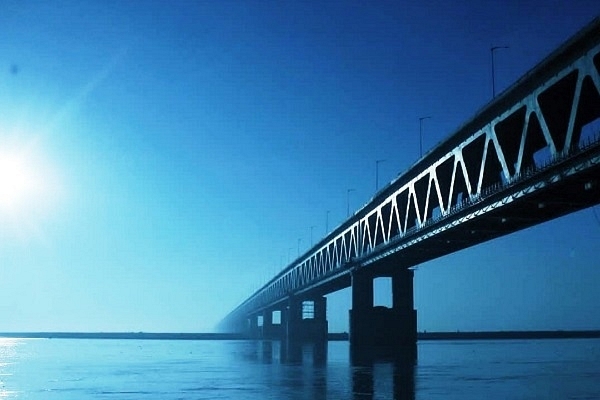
(532, 139)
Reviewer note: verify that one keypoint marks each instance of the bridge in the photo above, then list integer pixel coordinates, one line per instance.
(530, 155)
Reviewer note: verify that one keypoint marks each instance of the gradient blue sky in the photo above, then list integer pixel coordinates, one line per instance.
(175, 152)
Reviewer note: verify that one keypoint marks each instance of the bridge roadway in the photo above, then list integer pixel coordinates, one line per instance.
(530, 155)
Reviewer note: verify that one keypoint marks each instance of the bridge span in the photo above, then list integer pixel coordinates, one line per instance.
(530, 155)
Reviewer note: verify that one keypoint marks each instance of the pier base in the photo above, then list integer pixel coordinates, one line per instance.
(306, 320)
(253, 330)
(381, 331)
(270, 330)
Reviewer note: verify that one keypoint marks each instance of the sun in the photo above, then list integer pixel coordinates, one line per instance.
(29, 187)
(17, 181)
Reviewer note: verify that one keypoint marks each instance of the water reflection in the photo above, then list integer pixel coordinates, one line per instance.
(8, 356)
(363, 386)
(391, 377)
(304, 353)
(269, 351)
(298, 368)
(304, 369)
(83, 369)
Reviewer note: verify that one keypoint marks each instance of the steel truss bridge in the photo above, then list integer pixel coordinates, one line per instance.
(532, 154)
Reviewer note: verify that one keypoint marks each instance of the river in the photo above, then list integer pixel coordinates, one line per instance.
(203, 369)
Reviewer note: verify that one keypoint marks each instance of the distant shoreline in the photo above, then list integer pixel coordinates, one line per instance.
(509, 335)
(124, 335)
(341, 336)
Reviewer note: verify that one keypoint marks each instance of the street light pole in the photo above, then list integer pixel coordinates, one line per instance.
(377, 162)
(492, 49)
(299, 240)
(327, 222)
(348, 202)
(311, 236)
(421, 119)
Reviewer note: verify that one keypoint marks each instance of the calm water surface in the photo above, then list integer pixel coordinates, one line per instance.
(135, 369)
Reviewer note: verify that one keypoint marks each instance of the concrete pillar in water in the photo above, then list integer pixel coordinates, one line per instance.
(267, 327)
(304, 322)
(253, 330)
(283, 319)
(293, 319)
(382, 330)
(291, 324)
(361, 334)
(317, 329)
(404, 308)
(308, 325)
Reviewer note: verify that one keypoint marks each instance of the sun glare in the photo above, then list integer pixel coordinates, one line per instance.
(17, 181)
(28, 187)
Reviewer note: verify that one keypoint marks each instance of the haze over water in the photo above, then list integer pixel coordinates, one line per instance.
(69, 369)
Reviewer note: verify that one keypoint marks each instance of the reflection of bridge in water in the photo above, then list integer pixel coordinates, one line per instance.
(530, 155)
(391, 378)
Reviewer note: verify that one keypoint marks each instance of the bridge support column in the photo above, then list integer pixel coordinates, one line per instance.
(270, 330)
(267, 328)
(253, 328)
(361, 329)
(305, 320)
(382, 331)
(293, 320)
(317, 327)
(404, 307)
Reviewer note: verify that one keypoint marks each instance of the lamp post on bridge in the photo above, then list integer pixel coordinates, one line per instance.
(421, 119)
(492, 49)
(299, 240)
(377, 162)
(311, 235)
(348, 201)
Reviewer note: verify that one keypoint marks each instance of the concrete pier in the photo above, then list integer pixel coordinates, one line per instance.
(270, 330)
(306, 320)
(253, 328)
(389, 331)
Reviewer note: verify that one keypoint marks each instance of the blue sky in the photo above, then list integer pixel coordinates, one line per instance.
(177, 154)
